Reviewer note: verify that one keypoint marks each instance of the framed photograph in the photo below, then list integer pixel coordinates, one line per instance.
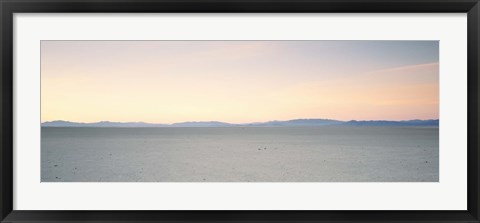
(239, 111)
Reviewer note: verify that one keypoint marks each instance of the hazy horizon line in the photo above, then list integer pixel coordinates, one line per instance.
(244, 123)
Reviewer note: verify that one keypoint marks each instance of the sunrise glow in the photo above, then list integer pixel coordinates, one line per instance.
(238, 81)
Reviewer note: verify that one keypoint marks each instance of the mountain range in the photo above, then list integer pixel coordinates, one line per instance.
(294, 122)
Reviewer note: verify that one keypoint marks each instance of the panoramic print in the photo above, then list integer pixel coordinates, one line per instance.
(239, 111)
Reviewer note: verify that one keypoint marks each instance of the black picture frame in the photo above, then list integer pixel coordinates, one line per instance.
(9, 7)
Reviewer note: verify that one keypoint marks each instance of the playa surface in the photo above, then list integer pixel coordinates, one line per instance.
(240, 154)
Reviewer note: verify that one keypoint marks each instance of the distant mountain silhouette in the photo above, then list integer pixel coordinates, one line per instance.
(297, 122)
(291, 123)
(416, 122)
(202, 124)
(61, 123)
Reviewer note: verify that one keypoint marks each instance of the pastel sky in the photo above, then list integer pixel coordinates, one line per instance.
(238, 81)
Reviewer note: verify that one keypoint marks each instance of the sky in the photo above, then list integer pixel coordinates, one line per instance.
(238, 81)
